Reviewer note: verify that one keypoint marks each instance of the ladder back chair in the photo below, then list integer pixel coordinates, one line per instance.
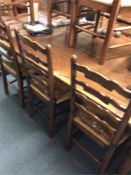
(111, 9)
(37, 63)
(97, 113)
(57, 8)
(17, 10)
(9, 63)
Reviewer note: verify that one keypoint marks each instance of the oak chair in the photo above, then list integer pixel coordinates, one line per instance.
(57, 8)
(111, 9)
(17, 10)
(97, 113)
(9, 63)
(37, 63)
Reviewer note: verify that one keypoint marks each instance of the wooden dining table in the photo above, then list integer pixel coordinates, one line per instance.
(116, 68)
(61, 57)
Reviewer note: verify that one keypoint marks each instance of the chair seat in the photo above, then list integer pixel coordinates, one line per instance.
(124, 3)
(101, 137)
(62, 91)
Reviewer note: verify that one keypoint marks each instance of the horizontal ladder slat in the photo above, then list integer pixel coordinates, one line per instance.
(90, 32)
(120, 45)
(103, 97)
(100, 125)
(61, 13)
(104, 81)
(98, 110)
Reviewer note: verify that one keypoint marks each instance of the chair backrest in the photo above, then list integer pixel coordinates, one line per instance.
(7, 50)
(94, 96)
(37, 63)
(10, 9)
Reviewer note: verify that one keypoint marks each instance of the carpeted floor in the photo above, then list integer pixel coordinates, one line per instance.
(26, 149)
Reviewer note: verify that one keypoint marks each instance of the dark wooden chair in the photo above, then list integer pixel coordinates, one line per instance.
(111, 10)
(57, 8)
(17, 10)
(98, 111)
(42, 84)
(9, 63)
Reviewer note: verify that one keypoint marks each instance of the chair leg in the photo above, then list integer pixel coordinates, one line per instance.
(68, 8)
(97, 22)
(72, 30)
(125, 167)
(106, 44)
(107, 159)
(30, 101)
(4, 75)
(69, 135)
(112, 19)
(93, 45)
(21, 92)
(52, 118)
(0, 68)
(49, 14)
